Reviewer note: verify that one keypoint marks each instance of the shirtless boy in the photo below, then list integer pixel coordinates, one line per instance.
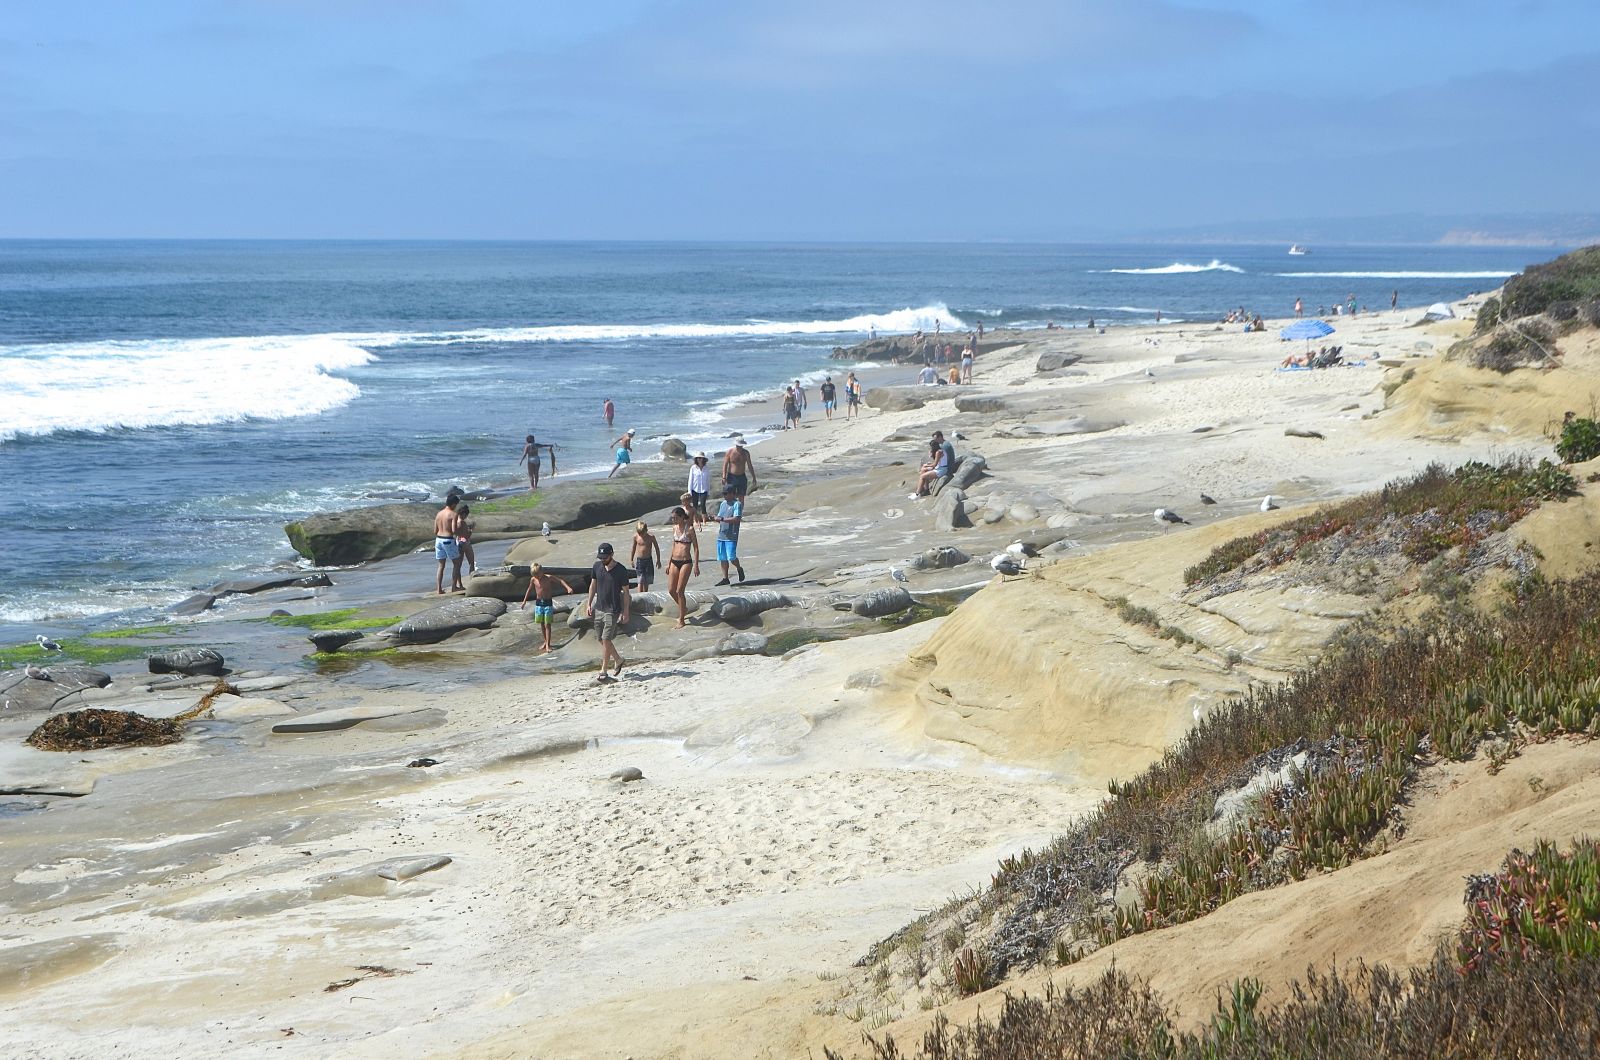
(541, 586)
(446, 526)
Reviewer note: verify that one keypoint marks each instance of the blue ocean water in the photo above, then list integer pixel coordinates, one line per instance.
(166, 406)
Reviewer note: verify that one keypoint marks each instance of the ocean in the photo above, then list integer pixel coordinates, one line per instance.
(166, 406)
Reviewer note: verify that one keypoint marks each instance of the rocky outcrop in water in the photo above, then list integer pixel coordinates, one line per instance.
(192, 662)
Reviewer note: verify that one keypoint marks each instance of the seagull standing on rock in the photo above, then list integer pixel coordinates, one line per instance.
(46, 644)
(898, 575)
(1008, 565)
(1166, 517)
(545, 529)
(1267, 505)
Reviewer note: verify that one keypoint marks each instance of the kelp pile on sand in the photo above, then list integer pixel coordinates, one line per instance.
(94, 728)
(1342, 740)
(1521, 327)
(1521, 978)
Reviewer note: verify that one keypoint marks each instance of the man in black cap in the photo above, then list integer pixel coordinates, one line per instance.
(608, 606)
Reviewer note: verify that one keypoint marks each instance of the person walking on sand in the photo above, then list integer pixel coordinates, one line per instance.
(699, 486)
(646, 555)
(1394, 300)
(800, 402)
(446, 524)
(739, 470)
(608, 605)
(610, 412)
(729, 515)
(829, 396)
(852, 396)
(541, 586)
(791, 411)
(685, 556)
(966, 364)
(624, 446)
(1299, 308)
(464, 538)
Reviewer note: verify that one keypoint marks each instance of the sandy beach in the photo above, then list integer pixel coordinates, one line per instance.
(321, 893)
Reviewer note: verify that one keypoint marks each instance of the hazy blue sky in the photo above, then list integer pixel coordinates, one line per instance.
(737, 119)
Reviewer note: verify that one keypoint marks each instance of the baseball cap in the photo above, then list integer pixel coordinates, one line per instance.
(730, 488)
(604, 550)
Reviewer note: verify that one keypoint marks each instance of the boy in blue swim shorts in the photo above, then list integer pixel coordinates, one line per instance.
(541, 587)
(729, 514)
(624, 451)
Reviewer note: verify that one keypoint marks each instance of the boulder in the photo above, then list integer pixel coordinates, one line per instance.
(969, 469)
(878, 602)
(240, 708)
(1051, 360)
(949, 512)
(748, 605)
(192, 662)
(359, 535)
(19, 692)
(900, 398)
(192, 605)
(347, 717)
(941, 557)
(657, 603)
(1022, 513)
(742, 644)
(444, 621)
(674, 449)
(245, 586)
(510, 582)
(329, 640)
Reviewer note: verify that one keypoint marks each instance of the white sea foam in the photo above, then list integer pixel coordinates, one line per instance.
(899, 320)
(100, 386)
(1401, 275)
(1177, 268)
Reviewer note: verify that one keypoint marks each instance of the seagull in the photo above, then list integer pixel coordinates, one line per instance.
(1166, 516)
(1022, 548)
(545, 529)
(1005, 564)
(46, 644)
(898, 575)
(1267, 505)
(1148, 374)
(37, 674)
(1206, 498)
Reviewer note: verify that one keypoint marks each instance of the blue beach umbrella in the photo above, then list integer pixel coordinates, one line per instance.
(1306, 329)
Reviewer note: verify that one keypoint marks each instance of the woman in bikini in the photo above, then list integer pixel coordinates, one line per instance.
(685, 552)
(646, 554)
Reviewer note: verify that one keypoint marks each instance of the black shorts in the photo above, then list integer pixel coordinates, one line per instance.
(697, 501)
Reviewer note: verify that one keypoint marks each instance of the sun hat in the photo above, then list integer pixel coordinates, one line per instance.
(701, 456)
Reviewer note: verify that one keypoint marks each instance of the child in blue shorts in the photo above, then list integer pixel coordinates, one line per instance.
(541, 587)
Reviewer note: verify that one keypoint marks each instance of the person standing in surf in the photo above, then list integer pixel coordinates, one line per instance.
(530, 454)
(624, 446)
(609, 411)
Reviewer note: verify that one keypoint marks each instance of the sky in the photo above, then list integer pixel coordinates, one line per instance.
(826, 120)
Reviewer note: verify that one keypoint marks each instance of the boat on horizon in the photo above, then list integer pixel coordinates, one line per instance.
(1297, 249)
